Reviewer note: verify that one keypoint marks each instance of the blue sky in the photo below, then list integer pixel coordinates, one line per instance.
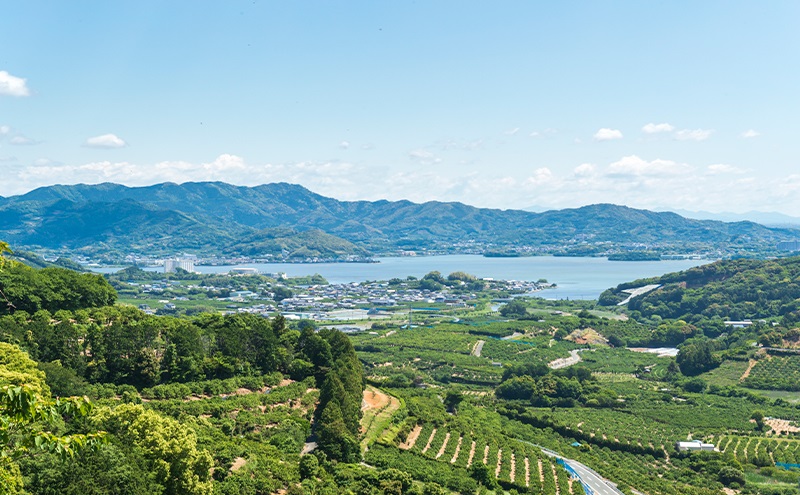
(654, 105)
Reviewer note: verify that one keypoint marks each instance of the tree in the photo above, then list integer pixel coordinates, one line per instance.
(167, 447)
(758, 417)
(515, 308)
(27, 414)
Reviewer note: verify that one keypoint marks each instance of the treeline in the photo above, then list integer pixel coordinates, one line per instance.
(339, 410)
(23, 288)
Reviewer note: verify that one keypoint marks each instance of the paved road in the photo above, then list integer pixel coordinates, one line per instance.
(573, 358)
(478, 348)
(638, 292)
(596, 483)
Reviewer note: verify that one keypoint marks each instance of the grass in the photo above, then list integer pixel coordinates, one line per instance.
(375, 421)
(793, 397)
(727, 374)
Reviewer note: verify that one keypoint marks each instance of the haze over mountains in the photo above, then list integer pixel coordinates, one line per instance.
(289, 221)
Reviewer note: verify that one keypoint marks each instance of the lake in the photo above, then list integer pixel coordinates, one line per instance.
(577, 278)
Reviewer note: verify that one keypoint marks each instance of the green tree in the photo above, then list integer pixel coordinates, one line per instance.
(168, 448)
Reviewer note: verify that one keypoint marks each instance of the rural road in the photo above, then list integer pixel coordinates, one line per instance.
(476, 351)
(594, 481)
(573, 358)
(638, 292)
(589, 478)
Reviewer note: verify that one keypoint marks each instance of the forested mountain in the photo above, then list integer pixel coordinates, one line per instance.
(210, 216)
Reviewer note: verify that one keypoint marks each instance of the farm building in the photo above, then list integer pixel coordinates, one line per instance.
(694, 446)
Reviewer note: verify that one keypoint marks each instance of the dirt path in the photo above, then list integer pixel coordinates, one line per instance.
(513, 475)
(471, 455)
(555, 478)
(748, 370)
(527, 472)
(486, 455)
(430, 439)
(499, 463)
(541, 471)
(476, 351)
(411, 440)
(458, 449)
(444, 445)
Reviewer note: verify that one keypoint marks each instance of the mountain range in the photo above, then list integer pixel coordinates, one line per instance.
(289, 221)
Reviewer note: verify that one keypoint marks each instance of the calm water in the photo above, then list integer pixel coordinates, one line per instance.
(577, 278)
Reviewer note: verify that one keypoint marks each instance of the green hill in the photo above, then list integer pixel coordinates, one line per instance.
(734, 289)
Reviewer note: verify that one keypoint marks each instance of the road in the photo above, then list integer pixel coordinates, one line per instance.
(638, 292)
(596, 483)
(573, 358)
(476, 351)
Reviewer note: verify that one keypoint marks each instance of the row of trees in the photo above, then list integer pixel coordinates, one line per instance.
(339, 409)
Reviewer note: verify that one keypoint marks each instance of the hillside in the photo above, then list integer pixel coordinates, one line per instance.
(206, 217)
(290, 244)
(734, 289)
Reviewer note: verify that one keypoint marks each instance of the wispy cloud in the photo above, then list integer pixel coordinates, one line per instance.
(424, 157)
(657, 128)
(511, 132)
(12, 85)
(105, 141)
(606, 134)
(344, 145)
(21, 140)
(750, 133)
(693, 134)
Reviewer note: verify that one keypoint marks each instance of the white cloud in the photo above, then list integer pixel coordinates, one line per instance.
(22, 141)
(105, 141)
(543, 133)
(584, 170)
(750, 133)
(634, 166)
(511, 132)
(656, 128)
(12, 86)
(4, 129)
(693, 134)
(723, 168)
(344, 145)
(606, 134)
(424, 157)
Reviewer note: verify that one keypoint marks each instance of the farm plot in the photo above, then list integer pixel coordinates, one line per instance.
(775, 373)
(513, 463)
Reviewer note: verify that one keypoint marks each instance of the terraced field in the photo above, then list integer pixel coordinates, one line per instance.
(513, 463)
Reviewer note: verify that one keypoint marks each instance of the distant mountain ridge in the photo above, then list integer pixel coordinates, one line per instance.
(221, 218)
(767, 218)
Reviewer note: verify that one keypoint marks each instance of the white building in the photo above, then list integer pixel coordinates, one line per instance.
(694, 446)
(171, 265)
